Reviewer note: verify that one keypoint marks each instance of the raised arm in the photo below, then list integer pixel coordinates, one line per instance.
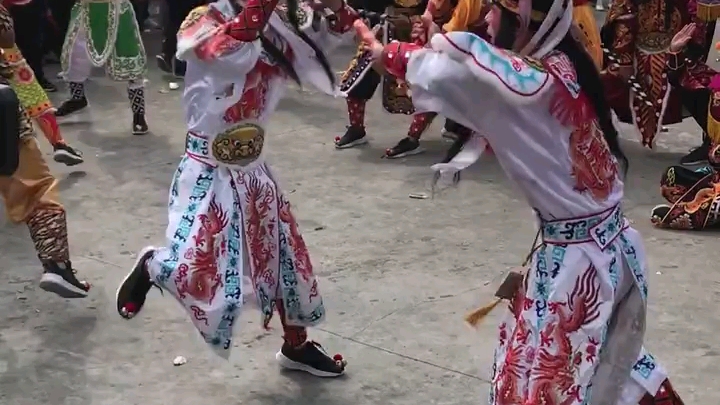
(464, 78)
(329, 31)
(621, 22)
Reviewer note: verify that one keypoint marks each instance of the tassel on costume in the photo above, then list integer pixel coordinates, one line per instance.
(475, 317)
(713, 115)
(708, 10)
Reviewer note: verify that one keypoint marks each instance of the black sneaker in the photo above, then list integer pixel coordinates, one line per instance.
(311, 358)
(354, 136)
(658, 213)
(171, 65)
(696, 156)
(133, 290)
(47, 85)
(406, 147)
(59, 278)
(447, 134)
(139, 125)
(71, 106)
(164, 64)
(65, 154)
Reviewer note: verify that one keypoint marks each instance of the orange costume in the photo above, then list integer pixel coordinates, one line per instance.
(637, 35)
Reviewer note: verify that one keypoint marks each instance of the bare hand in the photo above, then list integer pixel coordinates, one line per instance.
(432, 28)
(681, 39)
(368, 42)
(623, 72)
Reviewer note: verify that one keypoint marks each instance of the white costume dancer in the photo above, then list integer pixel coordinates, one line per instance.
(574, 330)
(227, 216)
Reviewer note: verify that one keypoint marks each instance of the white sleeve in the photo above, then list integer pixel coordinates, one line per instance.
(464, 78)
(326, 38)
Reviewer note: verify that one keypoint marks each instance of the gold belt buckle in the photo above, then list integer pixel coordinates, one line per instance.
(239, 145)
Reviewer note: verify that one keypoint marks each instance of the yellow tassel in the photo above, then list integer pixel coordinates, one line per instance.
(473, 318)
(713, 126)
(708, 12)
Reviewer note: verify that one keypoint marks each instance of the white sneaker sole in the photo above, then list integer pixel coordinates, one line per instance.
(140, 257)
(357, 142)
(293, 365)
(67, 158)
(55, 284)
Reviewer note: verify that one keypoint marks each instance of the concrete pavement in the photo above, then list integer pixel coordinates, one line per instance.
(397, 274)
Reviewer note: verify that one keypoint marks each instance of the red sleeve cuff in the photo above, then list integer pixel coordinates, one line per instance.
(395, 57)
(675, 60)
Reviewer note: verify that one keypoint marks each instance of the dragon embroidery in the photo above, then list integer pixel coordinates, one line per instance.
(594, 167)
(552, 367)
(201, 278)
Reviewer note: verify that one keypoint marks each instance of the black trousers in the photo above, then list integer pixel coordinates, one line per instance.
(9, 130)
(60, 10)
(367, 86)
(28, 36)
(177, 10)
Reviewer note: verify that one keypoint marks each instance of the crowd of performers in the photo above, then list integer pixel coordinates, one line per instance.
(528, 78)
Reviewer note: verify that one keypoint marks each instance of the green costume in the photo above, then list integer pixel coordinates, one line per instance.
(104, 33)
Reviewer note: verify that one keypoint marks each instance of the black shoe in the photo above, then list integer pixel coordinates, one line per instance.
(311, 358)
(171, 65)
(65, 154)
(48, 86)
(71, 106)
(696, 156)
(133, 290)
(447, 134)
(59, 278)
(658, 213)
(165, 64)
(140, 126)
(354, 136)
(406, 147)
(179, 67)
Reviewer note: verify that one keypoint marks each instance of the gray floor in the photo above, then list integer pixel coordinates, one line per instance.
(397, 273)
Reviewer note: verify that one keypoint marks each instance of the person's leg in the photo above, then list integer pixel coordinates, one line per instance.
(410, 145)
(31, 196)
(356, 101)
(60, 10)
(76, 70)
(128, 62)
(697, 102)
(28, 37)
(39, 107)
(176, 13)
(666, 395)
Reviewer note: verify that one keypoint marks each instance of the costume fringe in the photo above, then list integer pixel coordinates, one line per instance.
(713, 125)
(475, 317)
(708, 12)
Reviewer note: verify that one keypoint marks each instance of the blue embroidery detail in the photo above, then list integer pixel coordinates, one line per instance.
(558, 256)
(630, 254)
(203, 182)
(541, 284)
(512, 70)
(645, 366)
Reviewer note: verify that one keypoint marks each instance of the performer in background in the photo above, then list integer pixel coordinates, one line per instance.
(580, 307)
(28, 16)
(33, 98)
(694, 195)
(228, 218)
(177, 10)
(105, 33)
(637, 35)
(30, 192)
(584, 18)
(359, 81)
